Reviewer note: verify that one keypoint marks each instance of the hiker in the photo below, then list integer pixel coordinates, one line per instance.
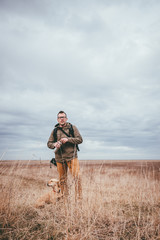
(65, 138)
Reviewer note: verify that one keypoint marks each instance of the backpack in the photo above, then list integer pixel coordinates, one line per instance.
(71, 133)
(53, 161)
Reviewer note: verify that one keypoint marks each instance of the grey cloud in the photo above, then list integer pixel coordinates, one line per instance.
(98, 62)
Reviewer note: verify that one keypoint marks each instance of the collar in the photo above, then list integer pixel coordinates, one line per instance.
(66, 126)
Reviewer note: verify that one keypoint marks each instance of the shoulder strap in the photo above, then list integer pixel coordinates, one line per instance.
(55, 134)
(64, 132)
(71, 130)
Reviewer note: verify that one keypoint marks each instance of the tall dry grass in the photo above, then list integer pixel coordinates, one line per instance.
(121, 200)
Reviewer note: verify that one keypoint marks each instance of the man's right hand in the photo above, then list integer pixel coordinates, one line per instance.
(57, 144)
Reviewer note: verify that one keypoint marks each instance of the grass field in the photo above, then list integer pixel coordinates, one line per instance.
(121, 201)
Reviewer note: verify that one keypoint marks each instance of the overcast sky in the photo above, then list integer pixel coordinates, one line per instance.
(98, 60)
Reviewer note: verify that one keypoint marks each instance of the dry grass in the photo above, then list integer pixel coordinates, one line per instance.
(121, 200)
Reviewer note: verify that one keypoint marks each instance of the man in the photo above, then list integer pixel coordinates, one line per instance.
(65, 142)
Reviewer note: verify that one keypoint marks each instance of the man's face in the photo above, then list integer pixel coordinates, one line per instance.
(62, 119)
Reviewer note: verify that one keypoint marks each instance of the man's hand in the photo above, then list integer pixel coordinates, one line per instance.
(64, 140)
(57, 144)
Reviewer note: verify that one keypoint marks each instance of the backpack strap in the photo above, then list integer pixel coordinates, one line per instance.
(64, 132)
(71, 130)
(55, 134)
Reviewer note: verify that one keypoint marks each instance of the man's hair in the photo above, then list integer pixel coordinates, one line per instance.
(61, 112)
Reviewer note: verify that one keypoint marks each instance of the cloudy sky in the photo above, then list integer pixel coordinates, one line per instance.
(98, 60)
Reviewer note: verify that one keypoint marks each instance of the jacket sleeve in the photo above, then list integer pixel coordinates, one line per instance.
(77, 139)
(51, 141)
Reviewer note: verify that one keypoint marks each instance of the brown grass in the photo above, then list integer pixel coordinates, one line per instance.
(121, 200)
